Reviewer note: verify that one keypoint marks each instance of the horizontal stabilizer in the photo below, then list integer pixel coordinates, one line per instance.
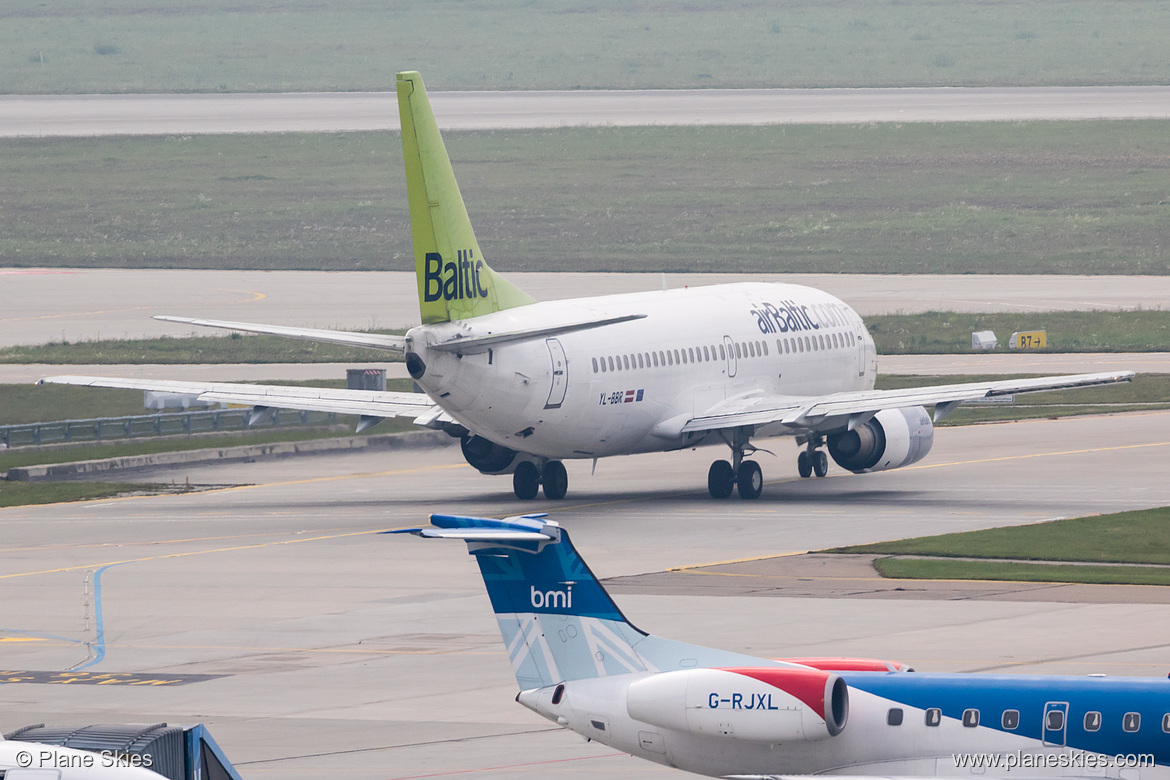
(521, 528)
(346, 338)
(474, 344)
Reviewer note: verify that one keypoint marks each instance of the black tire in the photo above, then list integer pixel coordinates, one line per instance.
(525, 480)
(804, 464)
(750, 480)
(820, 463)
(555, 480)
(720, 479)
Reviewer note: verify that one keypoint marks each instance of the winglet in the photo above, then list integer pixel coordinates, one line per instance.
(454, 282)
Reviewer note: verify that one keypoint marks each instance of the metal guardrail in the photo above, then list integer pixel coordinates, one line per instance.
(153, 425)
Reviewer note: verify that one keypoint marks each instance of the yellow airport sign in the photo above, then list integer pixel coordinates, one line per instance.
(1029, 339)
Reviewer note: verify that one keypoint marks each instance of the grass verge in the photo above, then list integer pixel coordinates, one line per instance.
(34, 456)
(1145, 392)
(236, 348)
(1138, 537)
(25, 403)
(894, 334)
(1141, 536)
(937, 333)
(1030, 197)
(25, 493)
(919, 569)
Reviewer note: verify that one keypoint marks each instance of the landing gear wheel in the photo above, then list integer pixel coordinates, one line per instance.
(820, 463)
(525, 480)
(555, 479)
(750, 479)
(804, 464)
(720, 479)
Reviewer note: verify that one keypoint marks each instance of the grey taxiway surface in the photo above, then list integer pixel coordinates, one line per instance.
(42, 305)
(333, 651)
(83, 115)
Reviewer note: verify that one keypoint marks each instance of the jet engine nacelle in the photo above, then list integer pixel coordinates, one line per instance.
(890, 439)
(487, 456)
(767, 704)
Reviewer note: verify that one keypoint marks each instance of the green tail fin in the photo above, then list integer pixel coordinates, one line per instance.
(454, 282)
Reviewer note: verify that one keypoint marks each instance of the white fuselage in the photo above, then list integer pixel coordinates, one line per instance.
(871, 744)
(628, 387)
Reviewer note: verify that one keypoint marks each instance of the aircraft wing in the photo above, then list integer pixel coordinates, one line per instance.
(347, 338)
(368, 403)
(808, 411)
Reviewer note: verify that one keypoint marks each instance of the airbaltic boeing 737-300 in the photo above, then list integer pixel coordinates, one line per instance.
(526, 385)
(582, 665)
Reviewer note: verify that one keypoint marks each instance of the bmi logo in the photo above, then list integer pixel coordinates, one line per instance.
(551, 599)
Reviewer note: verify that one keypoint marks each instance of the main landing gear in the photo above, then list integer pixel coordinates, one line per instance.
(745, 475)
(527, 480)
(811, 459)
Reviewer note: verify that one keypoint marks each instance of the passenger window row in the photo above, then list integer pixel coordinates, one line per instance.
(741, 350)
(1010, 719)
(815, 343)
(678, 357)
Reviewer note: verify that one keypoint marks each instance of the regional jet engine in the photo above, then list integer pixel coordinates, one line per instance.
(763, 704)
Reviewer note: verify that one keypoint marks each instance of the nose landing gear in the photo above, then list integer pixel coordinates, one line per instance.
(527, 480)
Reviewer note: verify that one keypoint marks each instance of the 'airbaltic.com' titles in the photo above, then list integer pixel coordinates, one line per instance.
(526, 385)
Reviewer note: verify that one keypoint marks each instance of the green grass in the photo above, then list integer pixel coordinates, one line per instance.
(24, 403)
(918, 569)
(1138, 537)
(247, 45)
(897, 334)
(1127, 537)
(1146, 391)
(236, 348)
(24, 493)
(1041, 197)
(1068, 331)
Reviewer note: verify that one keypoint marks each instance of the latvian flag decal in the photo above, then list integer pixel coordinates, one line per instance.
(633, 395)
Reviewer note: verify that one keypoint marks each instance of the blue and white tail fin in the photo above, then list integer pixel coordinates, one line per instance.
(558, 622)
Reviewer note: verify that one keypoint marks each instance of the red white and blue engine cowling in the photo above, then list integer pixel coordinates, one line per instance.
(766, 704)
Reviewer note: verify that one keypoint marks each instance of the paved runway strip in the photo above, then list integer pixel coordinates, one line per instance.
(87, 115)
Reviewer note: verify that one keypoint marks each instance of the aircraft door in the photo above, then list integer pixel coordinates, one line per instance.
(859, 334)
(1055, 723)
(732, 363)
(560, 374)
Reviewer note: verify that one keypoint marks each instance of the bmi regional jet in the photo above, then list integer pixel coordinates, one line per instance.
(582, 665)
(525, 385)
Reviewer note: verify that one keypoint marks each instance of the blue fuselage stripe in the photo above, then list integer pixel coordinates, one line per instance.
(992, 695)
